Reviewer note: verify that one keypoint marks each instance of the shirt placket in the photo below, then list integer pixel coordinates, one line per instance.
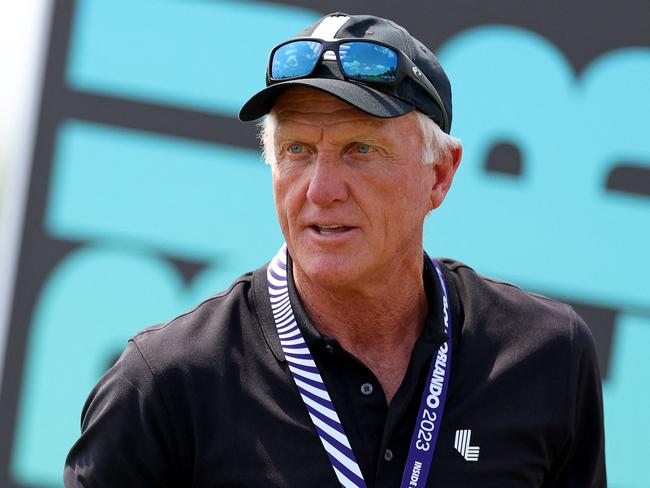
(400, 417)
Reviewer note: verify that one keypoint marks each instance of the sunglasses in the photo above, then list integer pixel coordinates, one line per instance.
(365, 61)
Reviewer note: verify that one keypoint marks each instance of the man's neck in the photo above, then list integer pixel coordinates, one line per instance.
(379, 325)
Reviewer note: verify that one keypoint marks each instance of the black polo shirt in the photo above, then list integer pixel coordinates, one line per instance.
(207, 400)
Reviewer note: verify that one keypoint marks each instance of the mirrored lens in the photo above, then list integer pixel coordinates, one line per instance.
(294, 59)
(368, 61)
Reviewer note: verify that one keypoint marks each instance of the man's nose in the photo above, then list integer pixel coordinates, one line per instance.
(327, 183)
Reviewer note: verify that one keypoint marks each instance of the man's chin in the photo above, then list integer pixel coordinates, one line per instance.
(328, 270)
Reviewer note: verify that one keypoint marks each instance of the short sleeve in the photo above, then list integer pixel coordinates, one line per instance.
(583, 460)
(127, 437)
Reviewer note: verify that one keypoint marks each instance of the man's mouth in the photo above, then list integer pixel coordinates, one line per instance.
(330, 229)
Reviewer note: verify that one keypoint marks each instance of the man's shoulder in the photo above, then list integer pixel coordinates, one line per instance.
(498, 305)
(479, 286)
(202, 333)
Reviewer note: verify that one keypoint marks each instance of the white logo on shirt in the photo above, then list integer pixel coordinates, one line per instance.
(461, 443)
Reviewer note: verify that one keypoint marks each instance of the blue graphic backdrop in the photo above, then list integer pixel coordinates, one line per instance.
(556, 228)
(137, 203)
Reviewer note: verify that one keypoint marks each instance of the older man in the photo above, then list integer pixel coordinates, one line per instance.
(353, 358)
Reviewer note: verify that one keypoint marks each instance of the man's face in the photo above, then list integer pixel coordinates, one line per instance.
(351, 191)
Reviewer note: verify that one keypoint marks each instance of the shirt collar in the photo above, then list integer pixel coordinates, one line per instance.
(433, 334)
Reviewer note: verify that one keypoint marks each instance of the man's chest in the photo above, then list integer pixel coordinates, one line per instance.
(496, 432)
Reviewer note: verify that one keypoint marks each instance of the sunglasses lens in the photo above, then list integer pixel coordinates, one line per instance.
(368, 61)
(294, 59)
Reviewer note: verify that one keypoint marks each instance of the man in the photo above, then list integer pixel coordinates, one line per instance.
(352, 358)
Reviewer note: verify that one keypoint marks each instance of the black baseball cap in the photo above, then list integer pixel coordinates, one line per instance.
(377, 99)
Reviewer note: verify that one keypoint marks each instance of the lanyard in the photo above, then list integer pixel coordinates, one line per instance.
(319, 404)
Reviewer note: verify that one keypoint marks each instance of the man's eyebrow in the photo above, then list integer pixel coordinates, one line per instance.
(373, 129)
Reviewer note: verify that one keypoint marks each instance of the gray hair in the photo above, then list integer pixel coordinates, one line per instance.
(436, 143)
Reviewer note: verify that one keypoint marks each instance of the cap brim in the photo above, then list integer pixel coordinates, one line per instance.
(361, 96)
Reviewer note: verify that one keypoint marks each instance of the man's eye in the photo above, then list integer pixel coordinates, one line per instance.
(364, 148)
(296, 149)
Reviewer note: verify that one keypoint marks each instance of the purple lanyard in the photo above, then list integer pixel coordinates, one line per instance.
(319, 404)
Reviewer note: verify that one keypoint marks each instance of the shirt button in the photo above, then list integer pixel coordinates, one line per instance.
(367, 389)
(330, 348)
(388, 455)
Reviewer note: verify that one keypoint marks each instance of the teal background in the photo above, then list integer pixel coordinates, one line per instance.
(136, 199)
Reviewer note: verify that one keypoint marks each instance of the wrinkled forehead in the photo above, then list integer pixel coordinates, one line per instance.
(315, 107)
(305, 99)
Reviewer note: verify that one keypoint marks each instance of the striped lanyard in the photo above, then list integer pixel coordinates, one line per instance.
(319, 404)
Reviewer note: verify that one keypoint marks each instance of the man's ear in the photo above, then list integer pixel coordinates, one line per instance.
(444, 170)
